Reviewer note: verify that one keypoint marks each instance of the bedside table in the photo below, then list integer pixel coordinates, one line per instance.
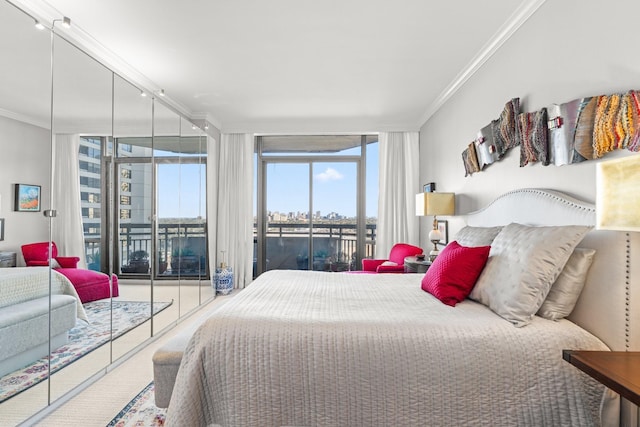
(415, 265)
(618, 370)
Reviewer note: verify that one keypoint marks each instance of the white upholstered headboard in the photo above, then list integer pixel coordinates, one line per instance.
(609, 306)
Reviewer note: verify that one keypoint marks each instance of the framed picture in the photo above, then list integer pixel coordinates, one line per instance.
(27, 198)
(429, 187)
(1, 228)
(443, 227)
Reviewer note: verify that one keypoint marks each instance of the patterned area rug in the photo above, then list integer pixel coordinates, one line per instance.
(140, 412)
(83, 339)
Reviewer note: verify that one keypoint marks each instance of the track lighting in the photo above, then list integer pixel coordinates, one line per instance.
(66, 22)
(161, 93)
(143, 94)
(39, 25)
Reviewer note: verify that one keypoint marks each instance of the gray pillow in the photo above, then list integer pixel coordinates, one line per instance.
(477, 236)
(523, 264)
(566, 290)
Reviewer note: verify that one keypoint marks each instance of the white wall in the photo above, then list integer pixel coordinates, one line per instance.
(24, 158)
(567, 50)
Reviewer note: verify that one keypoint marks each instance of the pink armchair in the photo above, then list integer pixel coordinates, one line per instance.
(90, 285)
(395, 263)
(37, 255)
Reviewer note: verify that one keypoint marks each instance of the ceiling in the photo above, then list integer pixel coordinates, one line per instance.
(297, 66)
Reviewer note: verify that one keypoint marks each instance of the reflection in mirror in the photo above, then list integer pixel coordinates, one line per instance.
(132, 213)
(192, 260)
(25, 88)
(82, 123)
(166, 289)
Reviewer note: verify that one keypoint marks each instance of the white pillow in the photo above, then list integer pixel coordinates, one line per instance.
(523, 264)
(477, 236)
(389, 263)
(54, 263)
(566, 290)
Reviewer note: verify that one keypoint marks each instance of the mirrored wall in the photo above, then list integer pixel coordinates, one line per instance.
(109, 176)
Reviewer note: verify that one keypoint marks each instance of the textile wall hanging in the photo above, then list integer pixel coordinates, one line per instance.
(561, 134)
(532, 133)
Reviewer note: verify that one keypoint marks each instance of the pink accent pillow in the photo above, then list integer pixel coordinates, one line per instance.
(454, 272)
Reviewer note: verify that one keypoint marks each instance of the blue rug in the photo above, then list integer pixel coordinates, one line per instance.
(140, 412)
(83, 339)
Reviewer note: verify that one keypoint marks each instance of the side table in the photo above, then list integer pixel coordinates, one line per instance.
(415, 265)
(618, 370)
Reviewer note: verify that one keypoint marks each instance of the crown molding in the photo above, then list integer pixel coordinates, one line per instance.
(504, 33)
(25, 119)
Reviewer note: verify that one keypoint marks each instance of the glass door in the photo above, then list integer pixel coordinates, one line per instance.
(335, 207)
(311, 214)
(287, 223)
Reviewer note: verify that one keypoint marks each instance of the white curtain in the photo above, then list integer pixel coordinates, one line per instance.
(230, 205)
(67, 229)
(398, 186)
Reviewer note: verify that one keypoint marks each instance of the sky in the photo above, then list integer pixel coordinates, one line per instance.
(334, 186)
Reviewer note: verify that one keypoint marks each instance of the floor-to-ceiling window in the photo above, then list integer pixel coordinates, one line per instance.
(316, 202)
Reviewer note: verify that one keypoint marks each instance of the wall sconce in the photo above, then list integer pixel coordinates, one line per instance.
(435, 204)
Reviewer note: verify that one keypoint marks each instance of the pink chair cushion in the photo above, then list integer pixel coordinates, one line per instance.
(400, 251)
(90, 285)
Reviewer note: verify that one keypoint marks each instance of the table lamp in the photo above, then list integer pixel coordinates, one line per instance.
(618, 195)
(618, 203)
(435, 204)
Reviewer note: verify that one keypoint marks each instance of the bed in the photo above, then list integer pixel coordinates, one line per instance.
(26, 311)
(314, 348)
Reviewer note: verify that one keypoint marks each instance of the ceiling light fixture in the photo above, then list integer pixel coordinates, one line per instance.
(39, 25)
(143, 94)
(161, 93)
(66, 22)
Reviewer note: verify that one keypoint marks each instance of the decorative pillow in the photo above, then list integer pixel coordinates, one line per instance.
(454, 272)
(389, 263)
(477, 236)
(523, 264)
(55, 263)
(565, 291)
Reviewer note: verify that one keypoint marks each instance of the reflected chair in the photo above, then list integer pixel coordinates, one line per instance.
(395, 262)
(90, 285)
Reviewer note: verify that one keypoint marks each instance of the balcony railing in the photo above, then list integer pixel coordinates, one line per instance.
(182, 248)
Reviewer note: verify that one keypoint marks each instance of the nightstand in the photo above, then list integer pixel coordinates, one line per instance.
(617, 370)
(415, 265)
(7, 259)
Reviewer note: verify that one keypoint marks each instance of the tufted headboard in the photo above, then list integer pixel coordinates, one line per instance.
(609, 306)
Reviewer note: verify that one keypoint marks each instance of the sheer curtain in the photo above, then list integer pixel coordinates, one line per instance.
(67, 229)
(398, 185)
(230, 205)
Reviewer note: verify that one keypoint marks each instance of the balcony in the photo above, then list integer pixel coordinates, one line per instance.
(182, 248)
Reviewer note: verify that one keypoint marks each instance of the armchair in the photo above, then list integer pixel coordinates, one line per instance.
(395, 262)
(90, 285)
(37, 255)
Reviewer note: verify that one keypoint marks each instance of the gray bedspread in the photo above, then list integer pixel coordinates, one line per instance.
(300, 348)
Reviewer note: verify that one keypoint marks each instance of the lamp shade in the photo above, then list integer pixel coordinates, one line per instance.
(618, 194)
(435, 204)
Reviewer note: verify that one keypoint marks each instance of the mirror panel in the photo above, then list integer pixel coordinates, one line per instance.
(193, 243)
(25, 88)
(132, 120)
(166, 289)
(82, 107)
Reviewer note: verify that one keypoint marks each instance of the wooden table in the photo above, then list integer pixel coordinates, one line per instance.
(618, 370)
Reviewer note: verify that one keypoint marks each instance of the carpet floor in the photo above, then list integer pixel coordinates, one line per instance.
(140, 412)
(83, 339)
